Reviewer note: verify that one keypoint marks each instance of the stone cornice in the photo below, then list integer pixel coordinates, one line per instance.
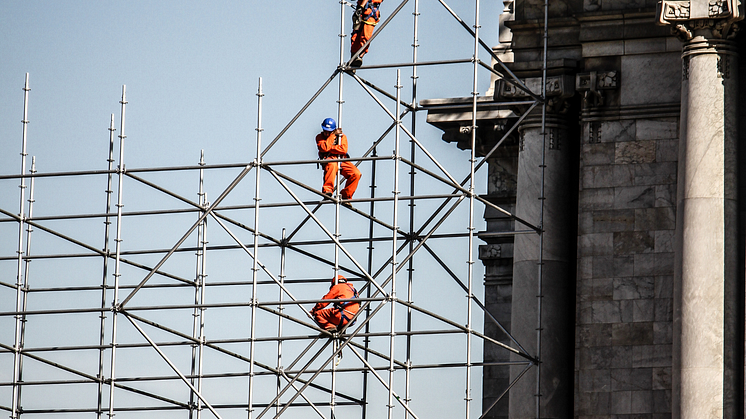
(687, 16)
(658, 110)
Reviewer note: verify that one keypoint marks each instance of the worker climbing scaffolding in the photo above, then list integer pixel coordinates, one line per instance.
(332, 144)
(364, 21)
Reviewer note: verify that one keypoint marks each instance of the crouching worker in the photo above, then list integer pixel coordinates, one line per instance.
(336, 315)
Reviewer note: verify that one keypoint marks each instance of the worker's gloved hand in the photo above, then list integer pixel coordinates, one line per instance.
(357, 18)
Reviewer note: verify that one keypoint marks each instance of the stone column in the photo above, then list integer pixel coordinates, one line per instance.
(708, 309)
(558, 302)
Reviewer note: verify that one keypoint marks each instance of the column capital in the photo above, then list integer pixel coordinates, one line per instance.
(689, 17)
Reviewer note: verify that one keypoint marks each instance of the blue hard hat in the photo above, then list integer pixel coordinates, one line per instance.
(329, 124)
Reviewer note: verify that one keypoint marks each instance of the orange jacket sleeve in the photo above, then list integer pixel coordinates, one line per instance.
(325, 143)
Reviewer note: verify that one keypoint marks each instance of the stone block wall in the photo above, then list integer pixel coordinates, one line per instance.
(626, 221)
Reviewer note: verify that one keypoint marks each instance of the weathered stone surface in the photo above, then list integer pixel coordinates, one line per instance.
(630, 242)
(652, 264)
(597, 244)
(632, 334)
(657, 129)
(638, 67)
(663, 333)
(606, 312)
(642, 401)
(602, 289)
(594, 380)
(597, 177)
(623, 175)
(651, 356)
(664, 241)
(621, 402)
(634, 197)
(585, 267)
(603, 266)
(634, 288)
(645, 46)
(624, 266)
(664, 309)
(662, 401)
(603, 48)
(664, 286)
(644, 311)
(598, 154)
(665, 196)
(661, 378)
(629, 379)
(590, 199)
(585, 224)
(667, 150)
(634, 152)
(613, 220)
(596, 334)
(660, 218)
(618, 131)
(655, 173)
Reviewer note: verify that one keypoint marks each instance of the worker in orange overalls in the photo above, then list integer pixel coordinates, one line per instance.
(337, 315)
(332, 144)
(364, 21)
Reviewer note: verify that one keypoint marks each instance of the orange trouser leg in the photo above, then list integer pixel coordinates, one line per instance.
(360, 37)
(330, 171)
(327, 318)
(352, 174)
(349, 172)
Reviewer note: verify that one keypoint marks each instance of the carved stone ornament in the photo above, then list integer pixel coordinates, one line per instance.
(684, 16)
(591, 84)
(556, 86)
(490, 251)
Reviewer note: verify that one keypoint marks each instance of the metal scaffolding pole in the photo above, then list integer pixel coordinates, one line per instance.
(395, 223)
(542, 198)
(20, 283)
(24, 303)
(105, 273)
(255, 268)
(117, 273)
(198, 326)
(412, 177)
(472, 163)
(280, 309)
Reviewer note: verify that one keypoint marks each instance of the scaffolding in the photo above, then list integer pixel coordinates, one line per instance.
(137, 330)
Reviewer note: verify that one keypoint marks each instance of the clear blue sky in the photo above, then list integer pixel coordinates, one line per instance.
(191, 70)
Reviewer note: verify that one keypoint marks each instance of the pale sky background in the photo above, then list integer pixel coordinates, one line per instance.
(191, 69)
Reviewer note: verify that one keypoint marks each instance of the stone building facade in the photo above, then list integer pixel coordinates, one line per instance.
(643, 246)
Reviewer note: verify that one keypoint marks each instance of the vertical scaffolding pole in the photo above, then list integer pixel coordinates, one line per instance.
(340, 102)
(366, 340)
(280, 309)
(105, 274)
(27, 262)
(394, 263)
(198, 328)
(472, 162)
(255, 265)
(20, 287)
(540, 285)
(115, 303)
(412, 174)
